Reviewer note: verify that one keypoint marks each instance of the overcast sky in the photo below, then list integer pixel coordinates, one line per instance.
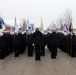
(49, 10)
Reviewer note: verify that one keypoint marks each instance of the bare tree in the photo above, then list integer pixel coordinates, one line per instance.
(68, 16)
(52, 25)
(64, 19)
(60, 22)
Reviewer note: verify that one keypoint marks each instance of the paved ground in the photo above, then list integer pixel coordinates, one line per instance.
(23, 65)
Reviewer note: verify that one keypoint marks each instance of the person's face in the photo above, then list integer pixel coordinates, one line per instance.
(16, 33)
(37, 29)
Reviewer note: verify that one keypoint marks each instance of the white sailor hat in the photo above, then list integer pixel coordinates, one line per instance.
(53, 29)
(42, 31)
(6, 31)
(12, 33)
(49, 32)
(33, 31)
(45, 33)
(1, 34)
(65, 33)
(15, 31)
(23, 32)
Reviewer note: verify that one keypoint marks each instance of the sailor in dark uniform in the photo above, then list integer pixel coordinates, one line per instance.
(21, 41)
(7, 39)
(24, 42)
(2, 46)
(30, 44)
(73, 45)
(64, 43)
(53, 40)
(69, 36)
(37, 37)
(44, 41)
(48, 41)
(11, 41)
(16, 44)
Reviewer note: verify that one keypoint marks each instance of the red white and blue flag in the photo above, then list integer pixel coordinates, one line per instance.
(1, 23)
(66, 28)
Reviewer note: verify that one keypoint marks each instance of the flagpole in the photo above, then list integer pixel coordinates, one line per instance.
(41, 27)
(70, 37)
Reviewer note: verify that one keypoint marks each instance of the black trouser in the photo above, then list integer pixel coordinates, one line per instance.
(30, 50)
(2, 53)
(37, 52)
(65, 48)
(20, 49)
(53, 51)
(43, 50)
(16, 50)
(49, 47)
(73, 51)
(11, 48)
(7, 51)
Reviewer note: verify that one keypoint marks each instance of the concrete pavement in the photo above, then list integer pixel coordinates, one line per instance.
(24, 65)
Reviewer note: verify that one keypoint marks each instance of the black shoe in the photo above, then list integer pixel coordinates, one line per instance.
(29, 55)
(73, 56)
(53, 58)
(2, 58)
(16, 55)
(38, 59)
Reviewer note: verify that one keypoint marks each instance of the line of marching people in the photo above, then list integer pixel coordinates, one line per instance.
(18, 42)
(10, 42)
(67, 43)
(37, 41)
(6, 45)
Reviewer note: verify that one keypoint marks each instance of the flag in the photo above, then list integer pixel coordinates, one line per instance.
(66, 28)
(29, 27)
(2, 27)
(41, 27)
(1, 23)
(15, 24)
